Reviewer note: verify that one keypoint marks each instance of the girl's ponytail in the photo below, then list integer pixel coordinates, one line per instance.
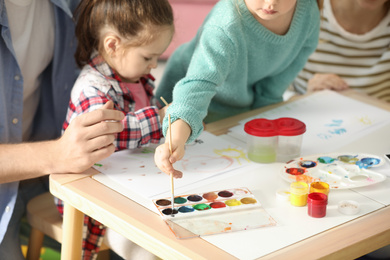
(87, 41)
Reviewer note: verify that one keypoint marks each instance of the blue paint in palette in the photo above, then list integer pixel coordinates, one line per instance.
(367, 162)
(186, 209)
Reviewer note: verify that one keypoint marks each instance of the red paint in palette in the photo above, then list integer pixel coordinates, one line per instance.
(217, 205)
(295, 171)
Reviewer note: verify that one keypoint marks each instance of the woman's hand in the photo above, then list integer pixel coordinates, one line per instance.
(326, 81)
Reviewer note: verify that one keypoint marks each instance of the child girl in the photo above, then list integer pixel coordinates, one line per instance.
(119, 42)
(243, 57)
(353, 51)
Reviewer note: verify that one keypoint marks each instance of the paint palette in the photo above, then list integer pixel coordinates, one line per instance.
(339, 170)
(213, 212)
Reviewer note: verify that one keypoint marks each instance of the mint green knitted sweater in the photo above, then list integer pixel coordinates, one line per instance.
(234, 64)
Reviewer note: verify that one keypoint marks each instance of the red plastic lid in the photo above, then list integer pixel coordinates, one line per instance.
(285, 126)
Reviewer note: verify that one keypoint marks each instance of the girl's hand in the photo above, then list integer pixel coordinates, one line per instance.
(326, 81)
(165, 161)
(162, 157)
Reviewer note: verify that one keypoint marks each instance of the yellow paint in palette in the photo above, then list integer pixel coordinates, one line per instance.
(213, 212)
(233, 202)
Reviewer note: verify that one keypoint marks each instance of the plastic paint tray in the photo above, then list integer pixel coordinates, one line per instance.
(339, 170)
(213, 212)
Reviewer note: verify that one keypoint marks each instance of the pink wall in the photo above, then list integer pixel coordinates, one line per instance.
(189, 15)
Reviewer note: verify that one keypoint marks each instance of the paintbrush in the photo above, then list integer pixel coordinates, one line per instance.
(170, 152)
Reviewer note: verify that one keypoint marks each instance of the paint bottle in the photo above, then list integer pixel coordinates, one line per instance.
(316, 204)
(298, 193)
(319, 186)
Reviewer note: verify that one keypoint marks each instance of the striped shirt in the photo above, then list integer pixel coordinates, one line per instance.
(363, 61)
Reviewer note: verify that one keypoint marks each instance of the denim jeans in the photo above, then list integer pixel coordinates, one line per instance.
(10, 248)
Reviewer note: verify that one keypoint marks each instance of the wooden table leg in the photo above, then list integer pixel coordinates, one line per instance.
(72, 233)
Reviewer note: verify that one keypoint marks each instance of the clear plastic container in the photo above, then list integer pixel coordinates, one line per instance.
(262, 140)
(348, 207)
(274, 140)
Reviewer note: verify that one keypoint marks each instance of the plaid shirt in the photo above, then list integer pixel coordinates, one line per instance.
(97, 84)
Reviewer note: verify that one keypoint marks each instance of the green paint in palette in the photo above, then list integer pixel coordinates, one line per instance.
(201, 206)
(180, 200)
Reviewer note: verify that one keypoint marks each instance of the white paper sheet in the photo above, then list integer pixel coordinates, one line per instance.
(332, 120)
(135, 170)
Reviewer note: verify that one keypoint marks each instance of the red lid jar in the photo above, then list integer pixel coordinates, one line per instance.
(316, 204)
(285, 126)
(274, 140)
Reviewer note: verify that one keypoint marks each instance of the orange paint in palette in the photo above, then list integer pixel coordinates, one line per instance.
(213, 212)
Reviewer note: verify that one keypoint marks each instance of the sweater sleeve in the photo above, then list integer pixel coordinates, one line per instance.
(208, 68)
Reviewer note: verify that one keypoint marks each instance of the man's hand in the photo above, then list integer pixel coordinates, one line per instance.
(89, 138)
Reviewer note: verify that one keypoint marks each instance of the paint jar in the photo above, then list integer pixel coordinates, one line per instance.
(319, 186)
(262, 140)
(316, 204)
(291, 132)
(298, 193)
(274, 140)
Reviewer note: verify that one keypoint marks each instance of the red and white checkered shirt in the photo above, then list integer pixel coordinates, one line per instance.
(96, 84)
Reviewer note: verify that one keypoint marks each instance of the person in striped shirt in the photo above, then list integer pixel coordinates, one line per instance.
(353, 50)
(119, 42)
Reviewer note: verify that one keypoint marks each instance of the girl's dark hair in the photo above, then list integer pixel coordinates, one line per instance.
(136, 20)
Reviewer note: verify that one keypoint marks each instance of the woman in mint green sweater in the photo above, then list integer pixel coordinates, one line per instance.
(243, 57)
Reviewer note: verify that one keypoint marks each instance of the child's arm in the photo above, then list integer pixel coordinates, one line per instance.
(141, 127)
(163, 159)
